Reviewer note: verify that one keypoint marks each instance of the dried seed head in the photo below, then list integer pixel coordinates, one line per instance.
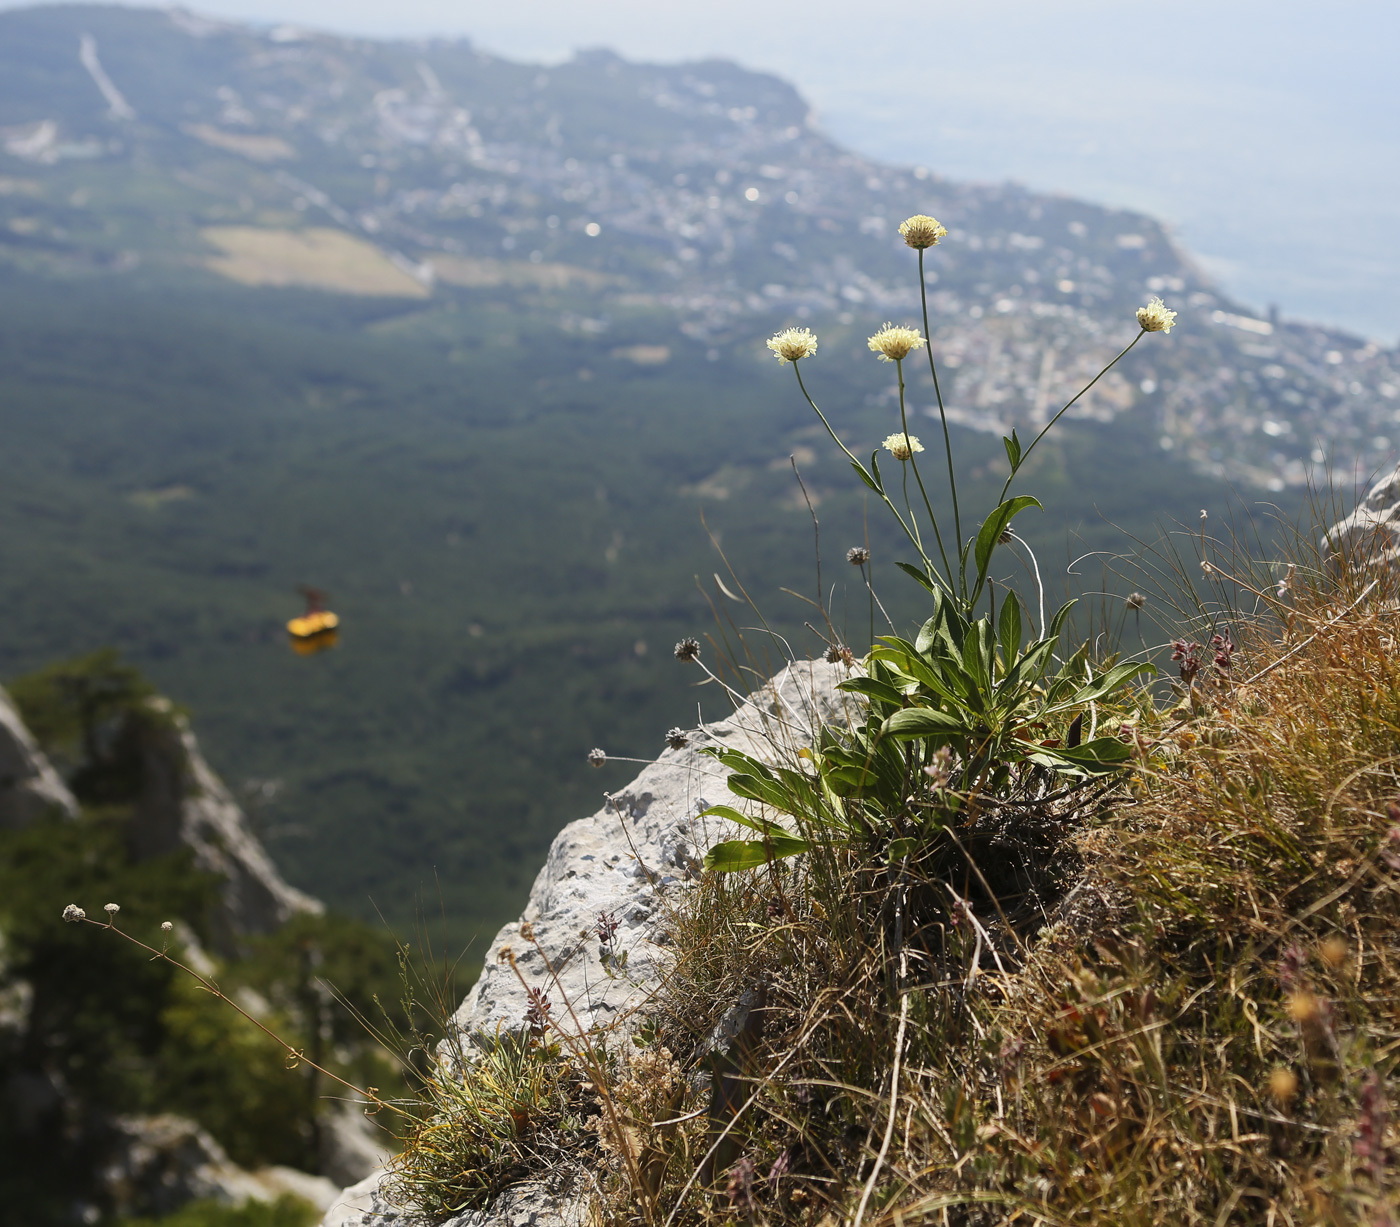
(606, 927)
(1303, 1006)
(688, 649)
(677, 739)
(73, 913)
(1136, 601)
(1334, 952)
(596, 757)
(537, 1012)
(111, 909)
(857, 555)
(166, 926)
(922, 231)
(1283, 1086)
(740, 1187)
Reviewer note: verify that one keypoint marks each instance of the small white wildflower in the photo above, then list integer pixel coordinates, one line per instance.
(1155, 317)
(921, 230)
(166, 926)
(894, 343)
(73, 913)
(111, 908)
(902, 446)
(792, 344)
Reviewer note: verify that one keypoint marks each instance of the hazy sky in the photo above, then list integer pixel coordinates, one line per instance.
(1267, 132)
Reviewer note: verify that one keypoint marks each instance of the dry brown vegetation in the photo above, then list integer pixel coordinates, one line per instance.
(1178, 1006)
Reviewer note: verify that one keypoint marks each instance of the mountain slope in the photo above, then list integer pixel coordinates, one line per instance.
(470, 344)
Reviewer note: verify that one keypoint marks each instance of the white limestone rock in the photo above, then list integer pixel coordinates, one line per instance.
(630, 860)
(29, 786)
(156, 1164)
(1369, 538)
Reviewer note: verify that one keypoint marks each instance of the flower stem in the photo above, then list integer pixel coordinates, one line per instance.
(885, 498)
(1044, 430)
(914, 464)
(938, 392)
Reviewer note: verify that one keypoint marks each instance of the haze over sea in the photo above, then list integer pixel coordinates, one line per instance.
(1263, 131)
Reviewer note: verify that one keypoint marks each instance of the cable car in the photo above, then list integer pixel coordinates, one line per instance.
(316, 629)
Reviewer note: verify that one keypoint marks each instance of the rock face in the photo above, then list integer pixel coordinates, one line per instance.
(158, 1163)
(628, 862)
(1369, 538)
(29, 786)
(184, 804)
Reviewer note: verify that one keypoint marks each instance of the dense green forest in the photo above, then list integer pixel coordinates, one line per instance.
(513, 549)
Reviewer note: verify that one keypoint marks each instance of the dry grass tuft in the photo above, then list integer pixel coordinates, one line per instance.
(1189, 1014)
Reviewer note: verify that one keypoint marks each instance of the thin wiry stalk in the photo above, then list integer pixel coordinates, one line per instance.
(942, 415)
(1030, 447)
(914, 464)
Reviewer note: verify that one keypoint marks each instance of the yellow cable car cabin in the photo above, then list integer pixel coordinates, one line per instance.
(314, 630)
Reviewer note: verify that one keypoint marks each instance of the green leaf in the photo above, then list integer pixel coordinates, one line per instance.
(922, 722)
(977, 659)
(1097, 757)
(1058, 621)
(873, 689)
(900, 848)
(757, 788)
(865, 477)
(1013, 450)
(991, 531)
(736, 854)
(917, 573)
(927, 633)
(1106, 683)
(1009, 629)
(762, 825)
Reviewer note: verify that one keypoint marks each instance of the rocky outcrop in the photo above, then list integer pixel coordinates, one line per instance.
(629, 863)
(158, 1163)
(1369, 538)
(184, 804)
(29, 786)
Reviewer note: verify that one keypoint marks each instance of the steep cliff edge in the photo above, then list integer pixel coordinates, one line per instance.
(88, 1113)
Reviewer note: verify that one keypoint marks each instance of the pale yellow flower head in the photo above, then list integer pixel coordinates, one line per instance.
(893, 343)
(921, 230)
(1155, 317)
(793, 343)
(902, 446)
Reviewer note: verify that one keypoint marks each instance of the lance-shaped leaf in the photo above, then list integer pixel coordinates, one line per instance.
(736, 854)
(1097, 757)
(922, 722)
(763, 826)
(990, 533)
